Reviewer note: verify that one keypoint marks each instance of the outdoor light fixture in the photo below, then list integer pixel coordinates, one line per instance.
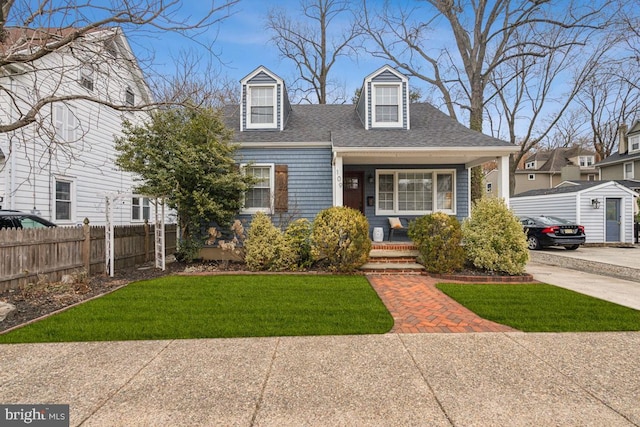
(595, 203)
(371, 180)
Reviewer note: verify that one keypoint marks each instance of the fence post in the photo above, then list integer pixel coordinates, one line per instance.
(86, 246)
(146, 240)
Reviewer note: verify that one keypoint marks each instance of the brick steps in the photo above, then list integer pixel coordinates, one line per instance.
(393, 258)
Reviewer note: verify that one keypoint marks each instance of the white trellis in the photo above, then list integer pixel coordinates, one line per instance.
(111, 199)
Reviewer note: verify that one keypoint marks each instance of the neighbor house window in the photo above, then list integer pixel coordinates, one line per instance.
(586, 161)
(628, 170)
(140, 209)
(489, 187)
(532, 177)
(129, 97)
(634, 143)
(63, 201)
(531, 165)
(65, 123)
(387, 106)
(261, 106)
(259, 197)
(86, 77)
(414, 192)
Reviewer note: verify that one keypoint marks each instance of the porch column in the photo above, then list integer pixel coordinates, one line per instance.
(503, 178)
(337, 180)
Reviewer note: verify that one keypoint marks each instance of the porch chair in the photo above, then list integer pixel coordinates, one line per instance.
(397, 226)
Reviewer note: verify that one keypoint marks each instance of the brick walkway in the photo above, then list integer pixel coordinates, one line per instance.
(417, 306)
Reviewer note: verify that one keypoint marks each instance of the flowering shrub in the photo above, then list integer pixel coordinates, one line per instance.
(494, 239)
(265, 246)
(438, 237)
(340, 237)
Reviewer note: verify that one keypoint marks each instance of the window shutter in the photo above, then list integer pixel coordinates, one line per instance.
(282, 188)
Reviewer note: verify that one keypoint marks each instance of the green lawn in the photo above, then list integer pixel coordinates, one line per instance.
(219, 306)
(542, 308)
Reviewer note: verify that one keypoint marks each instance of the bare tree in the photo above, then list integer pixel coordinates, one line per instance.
(456, 46)
(33, 32)
(314, 41)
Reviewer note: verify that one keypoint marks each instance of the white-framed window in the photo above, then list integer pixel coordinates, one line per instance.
(530, 165)
(586, 161)
(415, 192)
(387, 105)
(140, 209)
(532, 177)
(129, 97)
(489, 187)
(86, 77)
(66, 123)
(628, 170)
(634, 143)
(261, 107)
(259, 198)
(64, 188)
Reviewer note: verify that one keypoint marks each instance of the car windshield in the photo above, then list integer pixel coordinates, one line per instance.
(551, 220)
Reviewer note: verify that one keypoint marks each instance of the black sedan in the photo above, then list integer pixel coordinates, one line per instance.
(17, 219)
(552, 231)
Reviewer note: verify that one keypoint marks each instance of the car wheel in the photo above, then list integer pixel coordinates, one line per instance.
(572, 247)
(533, 243)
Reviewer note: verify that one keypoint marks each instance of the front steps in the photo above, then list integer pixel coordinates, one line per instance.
(393, 258)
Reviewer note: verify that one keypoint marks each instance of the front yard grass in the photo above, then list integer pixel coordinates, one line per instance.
(179, 307)
(542, 308)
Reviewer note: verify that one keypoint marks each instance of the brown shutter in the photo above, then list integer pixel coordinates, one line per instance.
(282, 188)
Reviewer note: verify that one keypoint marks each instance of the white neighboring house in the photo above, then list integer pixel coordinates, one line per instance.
(62, 167)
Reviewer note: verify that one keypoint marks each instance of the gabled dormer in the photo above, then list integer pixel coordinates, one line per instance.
(264, 103)
(384, 100)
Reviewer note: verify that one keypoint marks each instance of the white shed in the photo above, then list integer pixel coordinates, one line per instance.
(605, 208)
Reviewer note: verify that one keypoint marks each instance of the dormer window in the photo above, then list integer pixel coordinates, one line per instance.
(531, 165)
(387, 108)
(586, 161)
(261, 107)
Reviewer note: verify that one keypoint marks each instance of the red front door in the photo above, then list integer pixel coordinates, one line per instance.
(353, 190)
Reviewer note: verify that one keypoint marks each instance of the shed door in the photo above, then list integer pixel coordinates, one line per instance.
(613, 220)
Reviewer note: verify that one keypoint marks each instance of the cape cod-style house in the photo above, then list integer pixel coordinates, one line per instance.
(384, 156)
(63, 167)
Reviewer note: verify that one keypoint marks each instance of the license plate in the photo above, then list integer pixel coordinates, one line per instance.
(570, 231)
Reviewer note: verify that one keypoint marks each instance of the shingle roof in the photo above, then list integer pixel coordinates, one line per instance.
(579, 186)
(618, 158)
(554, 160)
(342, 125)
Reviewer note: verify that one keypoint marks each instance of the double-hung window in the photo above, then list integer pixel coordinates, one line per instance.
(63, 200)
(415, 192)
(86, 77)
(65, 123)
(140, 209)
(628, 170)
(261, 107)
(634, 143)
(586, 161)
(259, 198)
(129, 97)
(387, 106)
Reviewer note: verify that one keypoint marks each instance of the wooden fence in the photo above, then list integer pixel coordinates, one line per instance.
(26, 255)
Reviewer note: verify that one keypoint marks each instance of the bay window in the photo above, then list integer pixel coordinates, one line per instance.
(415, 192)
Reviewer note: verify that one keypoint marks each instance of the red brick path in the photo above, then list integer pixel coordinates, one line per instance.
(417, 306)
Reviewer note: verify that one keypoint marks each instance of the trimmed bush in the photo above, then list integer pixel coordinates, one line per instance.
(494, 239)
(340, 237)
(298, 237)
(438, 237)
(265, 247)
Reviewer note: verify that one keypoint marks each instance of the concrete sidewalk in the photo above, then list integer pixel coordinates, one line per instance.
(488, 379)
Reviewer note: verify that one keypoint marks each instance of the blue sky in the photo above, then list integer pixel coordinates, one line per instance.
(243, 44)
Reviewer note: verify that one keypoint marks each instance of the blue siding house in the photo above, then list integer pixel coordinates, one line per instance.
(384, 156)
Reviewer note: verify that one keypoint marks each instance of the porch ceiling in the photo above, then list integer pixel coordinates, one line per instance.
(431, 157)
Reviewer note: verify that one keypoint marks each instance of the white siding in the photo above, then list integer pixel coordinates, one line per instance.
(562, 205)
(35, 156)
